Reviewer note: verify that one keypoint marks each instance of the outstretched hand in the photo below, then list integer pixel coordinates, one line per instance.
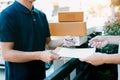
(98, 42)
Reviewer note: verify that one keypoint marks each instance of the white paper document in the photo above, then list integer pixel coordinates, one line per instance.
(75, 52)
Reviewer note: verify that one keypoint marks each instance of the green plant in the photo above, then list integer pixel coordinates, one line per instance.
(112, 28)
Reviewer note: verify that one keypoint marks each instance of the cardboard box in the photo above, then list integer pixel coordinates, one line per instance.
(68, 28)
(70, 17)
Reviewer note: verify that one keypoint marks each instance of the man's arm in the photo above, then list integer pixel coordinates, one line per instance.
(52, 44)
(14, 55)
(20, 56)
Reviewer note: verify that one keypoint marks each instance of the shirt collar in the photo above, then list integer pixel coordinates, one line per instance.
(23, 8)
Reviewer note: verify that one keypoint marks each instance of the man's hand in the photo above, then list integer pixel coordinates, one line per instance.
(48, 56)
(68, 41)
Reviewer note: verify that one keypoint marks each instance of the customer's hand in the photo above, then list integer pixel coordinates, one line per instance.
(48, 56)
(95, 59)
(69, 41)
(98, 42)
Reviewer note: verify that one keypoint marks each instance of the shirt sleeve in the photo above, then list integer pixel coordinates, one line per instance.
(46, 26)
(6, 28)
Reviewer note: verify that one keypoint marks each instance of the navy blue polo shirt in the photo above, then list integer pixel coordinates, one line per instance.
(28, 30)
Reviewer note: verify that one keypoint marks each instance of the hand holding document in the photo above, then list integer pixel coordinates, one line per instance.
(75, 52)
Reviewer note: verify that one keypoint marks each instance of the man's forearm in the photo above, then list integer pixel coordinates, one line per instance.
(19, 56)
(55, 43)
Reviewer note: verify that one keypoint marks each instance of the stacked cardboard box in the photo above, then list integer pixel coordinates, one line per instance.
(70, 16)
(70, 23)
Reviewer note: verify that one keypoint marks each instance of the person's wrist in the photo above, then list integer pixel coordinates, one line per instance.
(37, 55)
(106, 58)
